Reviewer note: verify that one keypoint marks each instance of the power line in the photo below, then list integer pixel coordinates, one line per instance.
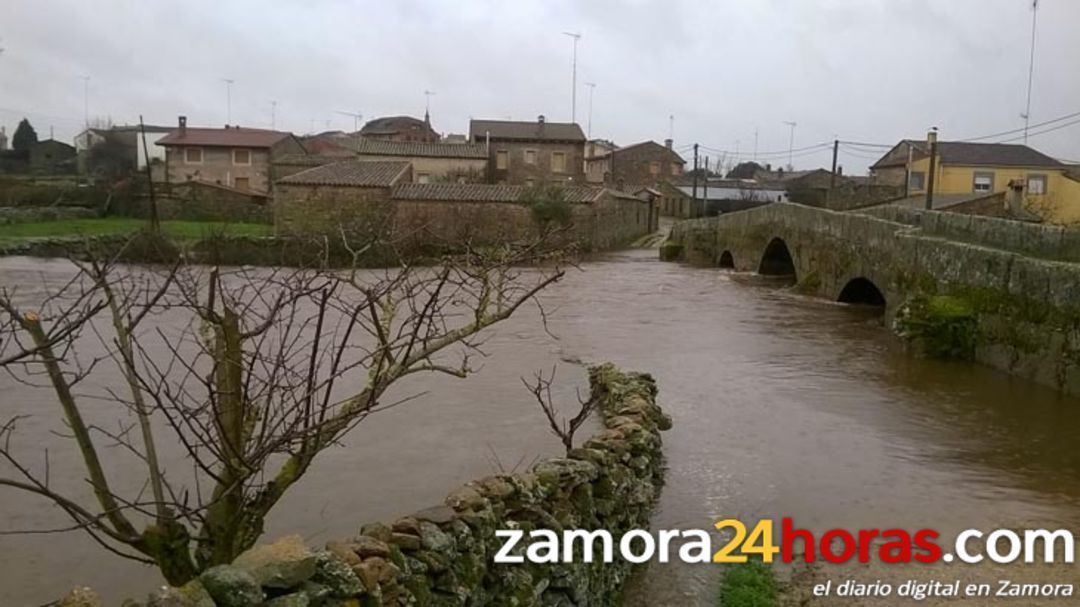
(1042, 132)
(1020, 130)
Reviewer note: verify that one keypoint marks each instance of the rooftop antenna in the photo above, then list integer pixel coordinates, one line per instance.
(273, 114)
(1031, 67)
(85, 101)
(228, 99)
(791, 143)
(573, 78)
(356, 116)
(592, 89)
(671, 127)
(427, 101)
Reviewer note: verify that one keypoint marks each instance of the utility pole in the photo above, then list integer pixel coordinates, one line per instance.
(835, 152)
(228, 99)
(1031, 67)
(932, 138)
(592, 89)
(693, 207)
(907, 173)
(155, 224)
(273, 114)
(86, 101)
(705, 194)
(755, 143)
(573, 78)
(791, 144)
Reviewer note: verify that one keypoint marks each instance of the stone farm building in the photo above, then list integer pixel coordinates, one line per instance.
(643, 164)
(528, 153)
(367, 197)
(232, 157)
(431, 162)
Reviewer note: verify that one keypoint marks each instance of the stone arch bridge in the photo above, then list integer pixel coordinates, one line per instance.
(1009, 290)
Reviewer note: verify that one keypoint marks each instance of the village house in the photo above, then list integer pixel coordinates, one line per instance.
(968, 171)
(233, 157)
(400, 128)
(431, 162)
(528, 153)
(645, 163)
(50, 156)
(118, 150)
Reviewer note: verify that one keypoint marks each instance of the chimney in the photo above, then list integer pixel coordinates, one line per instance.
(780, 172)
(667, 143)
(768, 167)
(183, 126)
(540, 119)
(840, 170)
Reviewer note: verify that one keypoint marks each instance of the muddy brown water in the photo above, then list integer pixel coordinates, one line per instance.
(783, 406)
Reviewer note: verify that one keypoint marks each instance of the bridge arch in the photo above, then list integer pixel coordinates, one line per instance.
(777, 260)
(862, 291)
(727, 261)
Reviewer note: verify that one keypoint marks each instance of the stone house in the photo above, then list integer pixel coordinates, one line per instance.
(349, 195)
(400, 128)
(431, 162)
(50, 156)
(527, 153)
(646, 163)
(235, 157)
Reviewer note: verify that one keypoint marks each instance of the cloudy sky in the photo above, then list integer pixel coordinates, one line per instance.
(862, 70)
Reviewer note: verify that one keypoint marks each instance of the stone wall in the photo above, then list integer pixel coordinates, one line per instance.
(444, 555)
(521, 172)
(612, 220)
(1020, 281)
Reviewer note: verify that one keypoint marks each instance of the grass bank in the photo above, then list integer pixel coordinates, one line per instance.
(750, 584)
(180, 230)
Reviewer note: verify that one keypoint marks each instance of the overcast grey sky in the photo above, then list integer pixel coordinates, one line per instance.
(863, 70)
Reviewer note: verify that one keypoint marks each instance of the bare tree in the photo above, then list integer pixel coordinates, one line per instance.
(561, 427)
(251, 372)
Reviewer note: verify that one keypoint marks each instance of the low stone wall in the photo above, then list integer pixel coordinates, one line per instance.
(1040, 240)
(11, 215)
(444, 555)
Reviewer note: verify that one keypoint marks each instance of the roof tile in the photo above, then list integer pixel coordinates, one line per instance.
(525, 131)
(381, 147)
(351, 173)
(482, 192)
(227, 137)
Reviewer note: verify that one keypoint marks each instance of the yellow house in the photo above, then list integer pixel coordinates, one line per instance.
(1050, 188)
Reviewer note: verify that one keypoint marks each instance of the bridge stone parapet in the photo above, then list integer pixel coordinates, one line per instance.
(1020, 281)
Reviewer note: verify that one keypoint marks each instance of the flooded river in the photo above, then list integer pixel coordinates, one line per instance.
(782, 406)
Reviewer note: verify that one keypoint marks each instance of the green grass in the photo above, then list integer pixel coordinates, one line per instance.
(180, 230)
(750, 584)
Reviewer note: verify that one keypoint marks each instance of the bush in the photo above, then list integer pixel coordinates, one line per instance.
(548, 205)
(939, 326)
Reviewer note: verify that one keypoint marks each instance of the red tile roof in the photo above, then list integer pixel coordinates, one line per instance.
(237, 137)
(351, 173)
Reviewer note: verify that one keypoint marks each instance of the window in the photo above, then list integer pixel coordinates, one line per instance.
(530, 156)
(984, 182)
(558, 162)
(1036, 185)
(918, 180)
(241, 157)
(676, 169)
(502, 160)
(192, 155)
(423, 178)
(242, 183)
(530, 182)
(654, 168)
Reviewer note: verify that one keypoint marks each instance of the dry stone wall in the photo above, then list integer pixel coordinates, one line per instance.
(443, 556)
